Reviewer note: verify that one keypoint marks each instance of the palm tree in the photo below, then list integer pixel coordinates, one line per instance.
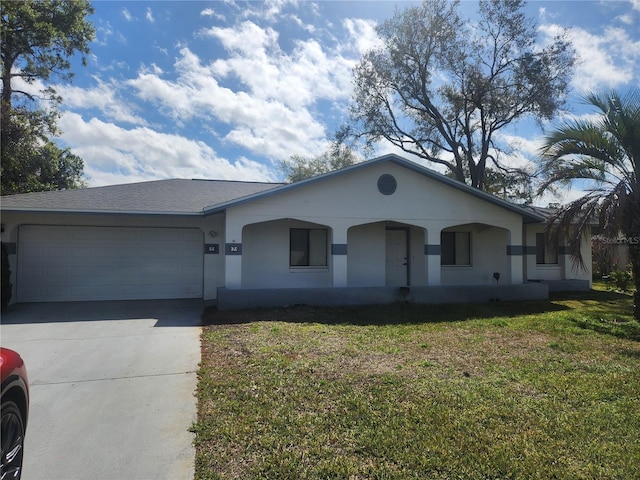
(604, 151)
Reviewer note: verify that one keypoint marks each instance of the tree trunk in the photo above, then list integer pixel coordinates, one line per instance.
(5, 109)
(634, 255)
(5, 102)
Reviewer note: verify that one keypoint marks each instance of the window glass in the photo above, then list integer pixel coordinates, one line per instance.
(317, 247)
(308, 247)
(463, 248)
(455, 248)
(539, 248)
(545, 255)
(298, 252)
(447, 248)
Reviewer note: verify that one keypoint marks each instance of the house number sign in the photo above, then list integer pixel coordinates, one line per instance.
(211, 249)
(233, 249)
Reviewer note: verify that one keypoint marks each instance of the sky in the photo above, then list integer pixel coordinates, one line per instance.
(229, 89)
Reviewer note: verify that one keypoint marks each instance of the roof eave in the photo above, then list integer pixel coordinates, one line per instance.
(98, 212)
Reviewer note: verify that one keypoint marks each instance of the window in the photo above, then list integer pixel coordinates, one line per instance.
(455, 248)
(308, 247)
(545, 255)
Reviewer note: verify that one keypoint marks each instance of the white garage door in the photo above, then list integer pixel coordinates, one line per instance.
(103, 263)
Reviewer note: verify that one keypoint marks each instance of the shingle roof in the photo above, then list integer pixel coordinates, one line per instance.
(544, 212)
(177, 196)
(548, 213)
(198, 197)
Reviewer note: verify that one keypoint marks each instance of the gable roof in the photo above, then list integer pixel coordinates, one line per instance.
(207, 197)
(528, 215)
(168, 197)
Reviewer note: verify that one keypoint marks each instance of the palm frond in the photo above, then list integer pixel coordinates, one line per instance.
(604, 151)
(612, 213)
(586, 142)
(571, 224)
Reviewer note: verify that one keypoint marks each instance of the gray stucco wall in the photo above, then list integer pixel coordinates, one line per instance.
(235, 299)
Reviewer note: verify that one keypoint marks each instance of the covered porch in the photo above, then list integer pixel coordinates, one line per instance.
(285, 261)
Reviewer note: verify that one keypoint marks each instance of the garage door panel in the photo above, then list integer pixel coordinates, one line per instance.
(87, 254)
(54, 235)
(41, 254)
(99, 263)
(78, 235)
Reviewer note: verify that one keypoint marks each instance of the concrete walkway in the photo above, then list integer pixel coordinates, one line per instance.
(112, 387)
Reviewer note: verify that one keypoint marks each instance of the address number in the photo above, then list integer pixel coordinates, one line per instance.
(211, 248)
(233, 249)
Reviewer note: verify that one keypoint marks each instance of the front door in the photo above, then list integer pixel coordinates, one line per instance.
(397, 252)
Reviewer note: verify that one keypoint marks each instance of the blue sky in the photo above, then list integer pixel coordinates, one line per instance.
(228, 89)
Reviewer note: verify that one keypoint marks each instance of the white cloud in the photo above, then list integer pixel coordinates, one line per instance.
(605, 60)
(362, 34)
(113, 154)
(254, 96)
(103, 96)
(626, 19)
(31, 93)
(210, 12)
(310, 72)
(104, 31)
(561, 195)
(265, 96)
(309, 27)
(527, 146)
(590, 117)
(245, 38)
(270, 10)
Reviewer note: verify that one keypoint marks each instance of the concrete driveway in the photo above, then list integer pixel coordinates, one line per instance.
(112, 387)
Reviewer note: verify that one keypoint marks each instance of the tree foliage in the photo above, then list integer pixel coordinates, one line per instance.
(39, 37)
(442, 88)
(605, 152)
(513, 184)
(298, 167)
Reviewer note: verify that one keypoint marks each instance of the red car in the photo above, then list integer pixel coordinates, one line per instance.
(15, 411)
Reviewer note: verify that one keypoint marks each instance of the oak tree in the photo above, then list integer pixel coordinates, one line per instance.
(442, 88)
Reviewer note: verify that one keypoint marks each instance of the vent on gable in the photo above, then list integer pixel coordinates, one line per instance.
(387, 184)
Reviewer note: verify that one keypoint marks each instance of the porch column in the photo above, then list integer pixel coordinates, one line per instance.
(339, 256)
(233, 257)
(515, 256)
(432, 256)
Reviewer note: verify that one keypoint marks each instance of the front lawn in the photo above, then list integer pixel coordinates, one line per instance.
(522, 390)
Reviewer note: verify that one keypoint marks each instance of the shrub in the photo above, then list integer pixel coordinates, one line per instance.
(622, 278)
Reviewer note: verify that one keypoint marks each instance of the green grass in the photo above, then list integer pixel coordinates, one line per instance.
(521, 390)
